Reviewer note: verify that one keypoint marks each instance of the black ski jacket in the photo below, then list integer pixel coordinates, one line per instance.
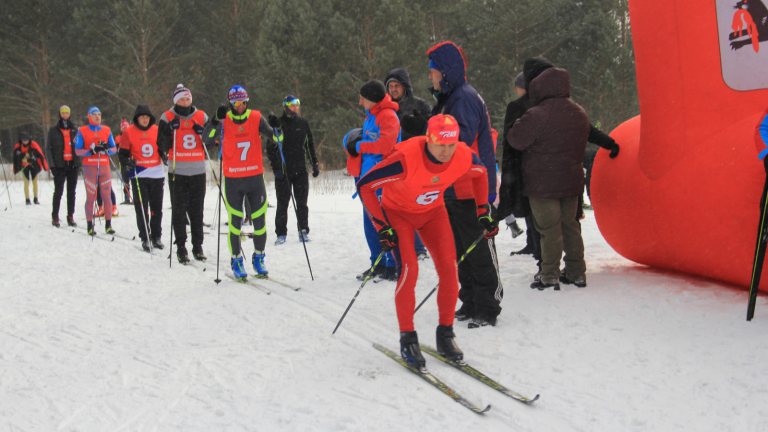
(55, 145)
(298, 147)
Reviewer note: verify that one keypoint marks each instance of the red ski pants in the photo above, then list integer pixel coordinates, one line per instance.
(435, 231)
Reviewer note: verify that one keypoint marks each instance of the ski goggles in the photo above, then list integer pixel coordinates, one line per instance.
(239, 103)
(292, 102)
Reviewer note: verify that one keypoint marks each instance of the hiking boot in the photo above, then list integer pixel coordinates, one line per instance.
(579, 282)
(542, 285)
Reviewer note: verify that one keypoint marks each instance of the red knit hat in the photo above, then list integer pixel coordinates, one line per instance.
(443, 130)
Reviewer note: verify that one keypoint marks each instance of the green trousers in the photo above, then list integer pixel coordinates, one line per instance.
(555, 220)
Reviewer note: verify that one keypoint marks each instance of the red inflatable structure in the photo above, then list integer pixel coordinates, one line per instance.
(684, 192)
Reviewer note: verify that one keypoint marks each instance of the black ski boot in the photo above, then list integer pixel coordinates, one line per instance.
(56, 222)
(145, 246)
(372, 273)
(389, 274)
(108, 227)
(197, 253)
(71, 221)
(410, 351)
(91, 230)
(446, 346)
(464, 313)
(181, 254)
(29, 202)
(157, 244)
(36, 201)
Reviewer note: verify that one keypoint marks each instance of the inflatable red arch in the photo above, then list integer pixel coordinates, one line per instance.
(684, 192)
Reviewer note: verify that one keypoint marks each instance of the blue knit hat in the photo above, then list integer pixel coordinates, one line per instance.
(93, 110)
(237, 93)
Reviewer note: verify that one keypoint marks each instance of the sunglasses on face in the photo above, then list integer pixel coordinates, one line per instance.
(293, 102)
(239, 103)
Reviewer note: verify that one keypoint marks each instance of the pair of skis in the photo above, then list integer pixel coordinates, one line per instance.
(462, 366)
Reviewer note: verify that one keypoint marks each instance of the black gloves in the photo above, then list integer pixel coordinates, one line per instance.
(274, 122)
(387, 238)
(174, 124)
(221, 112)
(490, 225)
(414, 124)
(31, 158)
(279, 174)
(130, 164)
(352, 146)
(315, 170)
(614, 151)
(197, 128)
(100, 147)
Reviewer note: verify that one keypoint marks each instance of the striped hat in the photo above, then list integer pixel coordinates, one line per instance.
(237, 94)
(181, 92)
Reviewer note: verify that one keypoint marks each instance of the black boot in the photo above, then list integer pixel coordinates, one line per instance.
(36, 201)
(56, 222)
(108, 227)
(197, 253)
(91, 231)
(145, 245)
(446, 346)
(542, 285)
(376, 271)
(29, 202)
(464, 313)
(71, 221)
(410, 351)
(181, 254)
(157, 244)
(527, 250)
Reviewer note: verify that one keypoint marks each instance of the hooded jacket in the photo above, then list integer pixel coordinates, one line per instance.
(459, 99)
(55, 144)
(409, 102)
(381, 131)
(553, 136)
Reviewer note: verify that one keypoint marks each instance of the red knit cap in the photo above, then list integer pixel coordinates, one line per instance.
(443, 130)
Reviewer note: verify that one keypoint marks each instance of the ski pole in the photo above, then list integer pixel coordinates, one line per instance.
(293, 200)
(173, 207)
(6, 180)
(368, 276)
(457, 264)
(757, 265)
(218, 223)
(143, 214)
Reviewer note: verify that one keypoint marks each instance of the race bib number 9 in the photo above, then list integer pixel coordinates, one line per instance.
(428, 198)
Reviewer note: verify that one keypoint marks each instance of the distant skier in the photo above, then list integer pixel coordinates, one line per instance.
(65, 167)
(138, 154)
(94, 143)
(414, 178)
(243, 173)
(29, 160)
(298, 151)
(186, 164)
(124, 175)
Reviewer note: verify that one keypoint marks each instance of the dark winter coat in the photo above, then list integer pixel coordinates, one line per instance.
(459, 99)
(298, 147)
(409, 102)
(55, 145)
(553, 137)
(511, 198)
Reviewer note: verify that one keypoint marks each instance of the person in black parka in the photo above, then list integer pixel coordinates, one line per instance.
(65, 165)
(298, 151)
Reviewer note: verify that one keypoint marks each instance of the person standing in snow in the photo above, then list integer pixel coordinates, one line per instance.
(123, 169)
(399, 87)
(243, 173)
(553, 135)
(414, 178)
(28, 159)
(380, 133)
(186, 170)
(298, 149)
(481, 290)
(65, 166)
(138, 154)
(94, 143)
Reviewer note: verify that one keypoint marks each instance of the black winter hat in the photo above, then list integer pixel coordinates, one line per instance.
(23, 136)
(143, 110)
(533, 67)
(374, 91)
(400, 75)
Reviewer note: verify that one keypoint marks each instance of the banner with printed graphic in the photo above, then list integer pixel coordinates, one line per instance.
(742, 27)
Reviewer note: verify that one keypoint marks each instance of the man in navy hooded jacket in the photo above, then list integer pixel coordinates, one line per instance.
(481, 289)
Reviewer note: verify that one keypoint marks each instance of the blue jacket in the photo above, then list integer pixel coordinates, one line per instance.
(459, 99)
(375, 144)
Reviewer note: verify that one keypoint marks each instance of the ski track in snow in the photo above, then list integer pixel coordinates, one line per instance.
(96, 335)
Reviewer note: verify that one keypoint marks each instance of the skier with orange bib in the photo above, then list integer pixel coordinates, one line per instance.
(414, 178)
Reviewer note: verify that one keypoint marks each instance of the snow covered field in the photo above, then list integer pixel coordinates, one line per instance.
(97, 336)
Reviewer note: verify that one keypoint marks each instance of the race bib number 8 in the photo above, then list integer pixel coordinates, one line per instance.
(189, 142)
(428, 198)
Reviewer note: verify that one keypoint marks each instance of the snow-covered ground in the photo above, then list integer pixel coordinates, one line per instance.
(97, 335)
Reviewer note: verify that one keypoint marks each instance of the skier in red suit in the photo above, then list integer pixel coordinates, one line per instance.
(413, 178)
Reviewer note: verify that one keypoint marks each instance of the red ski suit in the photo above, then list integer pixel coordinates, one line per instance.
(413, 183)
